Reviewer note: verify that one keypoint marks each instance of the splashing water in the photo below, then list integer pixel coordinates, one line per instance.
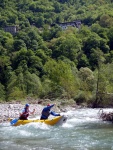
(82, 131)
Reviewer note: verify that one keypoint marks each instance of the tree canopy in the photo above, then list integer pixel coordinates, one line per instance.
(43, 60)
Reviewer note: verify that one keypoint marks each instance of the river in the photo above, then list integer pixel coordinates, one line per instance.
(82, 131)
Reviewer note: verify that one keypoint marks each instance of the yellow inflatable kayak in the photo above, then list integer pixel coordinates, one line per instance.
(54, 121)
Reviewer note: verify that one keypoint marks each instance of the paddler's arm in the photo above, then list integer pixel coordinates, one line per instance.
(21, 112)
(54, 114)
(48, 107)
(32, 112)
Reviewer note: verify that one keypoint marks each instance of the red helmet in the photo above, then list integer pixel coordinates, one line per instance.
(48, 104)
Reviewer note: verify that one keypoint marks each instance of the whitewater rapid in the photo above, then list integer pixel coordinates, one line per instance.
(84, 130)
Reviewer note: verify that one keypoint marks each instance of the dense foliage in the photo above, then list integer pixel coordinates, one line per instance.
(45, 61)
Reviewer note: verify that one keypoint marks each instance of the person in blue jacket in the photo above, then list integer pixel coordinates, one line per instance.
(47, 111)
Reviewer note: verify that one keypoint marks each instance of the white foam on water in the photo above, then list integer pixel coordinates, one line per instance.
(67, 125)
(25, 133)
(37, 125)
(5, 124)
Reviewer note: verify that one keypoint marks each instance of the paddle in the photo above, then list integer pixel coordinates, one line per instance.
(14, 121)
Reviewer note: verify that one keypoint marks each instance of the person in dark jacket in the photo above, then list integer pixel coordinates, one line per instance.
(24, 113)
(47, 111)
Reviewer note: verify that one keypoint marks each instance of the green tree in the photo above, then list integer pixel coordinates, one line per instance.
(93, 46)
(110, 36)
(102, 32)
(2, 92)
(18, 44)
(23, 35)
(4, 64)
(32, 84)
(82, 60)
(106, 21)
(86, 87)
(62, 76)
(40, 22)
(67, 46)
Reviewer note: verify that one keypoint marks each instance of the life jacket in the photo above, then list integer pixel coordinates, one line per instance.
(25, 114)
(45, 114)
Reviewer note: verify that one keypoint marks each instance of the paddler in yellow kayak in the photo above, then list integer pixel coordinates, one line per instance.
(47, 111)
(24, 113)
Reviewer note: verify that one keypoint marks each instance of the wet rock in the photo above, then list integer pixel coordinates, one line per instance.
(106, 116)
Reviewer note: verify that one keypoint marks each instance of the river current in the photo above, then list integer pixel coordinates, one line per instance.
(82, 131)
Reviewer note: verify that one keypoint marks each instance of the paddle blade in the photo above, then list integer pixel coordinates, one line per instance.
(13, 121)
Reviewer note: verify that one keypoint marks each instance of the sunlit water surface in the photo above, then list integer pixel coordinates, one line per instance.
(82, 131)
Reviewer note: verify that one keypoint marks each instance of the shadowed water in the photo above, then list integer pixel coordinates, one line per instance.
(82, 131)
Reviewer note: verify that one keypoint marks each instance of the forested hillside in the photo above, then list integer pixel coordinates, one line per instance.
(44, 61)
